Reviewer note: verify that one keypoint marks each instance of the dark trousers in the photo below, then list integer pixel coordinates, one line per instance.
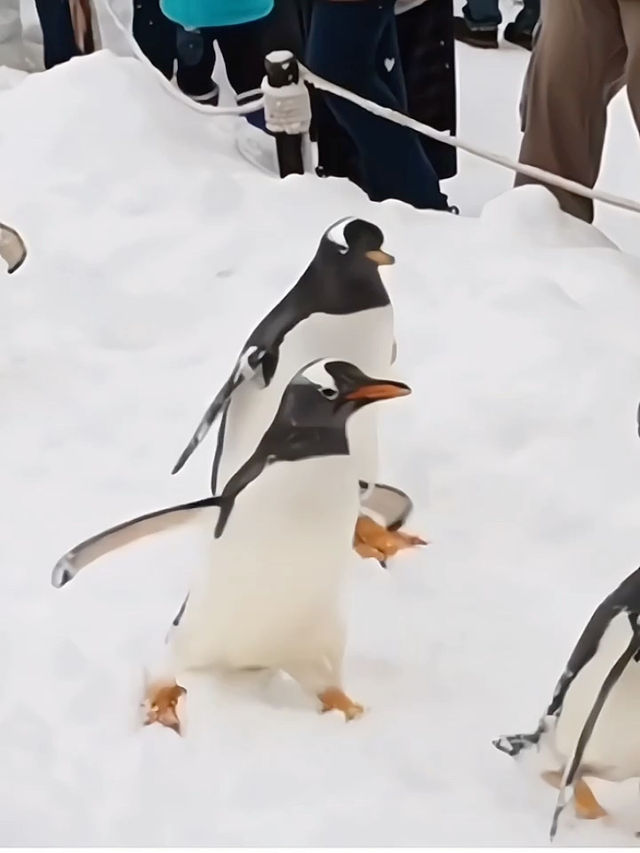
(355, 45)
(57, 31)
(164, 43)
(485, 15)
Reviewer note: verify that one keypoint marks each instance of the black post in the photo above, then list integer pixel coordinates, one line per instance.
(282, 70)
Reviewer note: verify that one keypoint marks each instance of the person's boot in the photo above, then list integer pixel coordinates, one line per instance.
(476, 38)
(515, 36)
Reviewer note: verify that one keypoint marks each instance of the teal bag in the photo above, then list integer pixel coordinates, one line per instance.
(193, 14)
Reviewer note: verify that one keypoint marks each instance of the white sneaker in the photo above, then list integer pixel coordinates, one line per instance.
(257, 147)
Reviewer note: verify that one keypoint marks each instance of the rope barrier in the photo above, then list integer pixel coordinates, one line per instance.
(540, 175)
(290, 115)
(243, 110)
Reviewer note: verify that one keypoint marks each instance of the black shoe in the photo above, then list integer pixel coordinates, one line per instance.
(476, 38)
(518, 37)
(210, 98)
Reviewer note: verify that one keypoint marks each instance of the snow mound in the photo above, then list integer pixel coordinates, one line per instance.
(152, 252)
(530, 216)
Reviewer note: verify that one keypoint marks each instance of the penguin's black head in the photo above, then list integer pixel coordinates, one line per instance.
(328, 391)
(356, 239)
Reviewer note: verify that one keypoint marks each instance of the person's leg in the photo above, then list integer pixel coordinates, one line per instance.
(389, 65)
(427, 49)
(579, 55)
(528, 16)
(196, 60)
(482, 14)
(630, 17)
(242, 47)
(479, 23)
(283, 28)
(155, 35)
(57, 31)
(343, 47)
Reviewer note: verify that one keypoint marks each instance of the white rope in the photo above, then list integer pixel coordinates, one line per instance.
(531, 171)
(244, 109)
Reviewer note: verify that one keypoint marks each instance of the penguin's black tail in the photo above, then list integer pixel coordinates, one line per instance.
(126, 533)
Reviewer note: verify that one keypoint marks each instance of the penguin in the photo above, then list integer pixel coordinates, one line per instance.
(591, 724)
(339, 305)
(12, 249)
(262, 599)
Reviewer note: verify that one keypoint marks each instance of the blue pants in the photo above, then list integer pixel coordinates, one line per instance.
(57, 31)
(355, 45)
(485, 15)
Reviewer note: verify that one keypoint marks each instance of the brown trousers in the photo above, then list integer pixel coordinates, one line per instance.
(586, 51)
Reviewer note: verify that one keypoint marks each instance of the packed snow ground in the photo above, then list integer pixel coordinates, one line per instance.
(153, 250)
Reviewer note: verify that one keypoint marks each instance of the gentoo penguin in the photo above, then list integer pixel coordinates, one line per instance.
(262, 599)
(12, 248)
(591, 725)
(340, 305)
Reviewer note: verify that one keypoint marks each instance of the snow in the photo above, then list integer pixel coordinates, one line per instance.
(153, 250)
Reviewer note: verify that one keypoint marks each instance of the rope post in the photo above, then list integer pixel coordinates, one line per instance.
(287, 110)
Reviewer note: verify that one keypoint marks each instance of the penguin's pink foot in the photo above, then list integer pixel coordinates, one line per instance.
(372, 540)
(335, 699)
(585, 803)
(161, 705)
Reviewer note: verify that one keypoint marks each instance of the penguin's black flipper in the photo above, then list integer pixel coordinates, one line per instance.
(12, 248)
(392, 505)
(125, 534)
(251, 360)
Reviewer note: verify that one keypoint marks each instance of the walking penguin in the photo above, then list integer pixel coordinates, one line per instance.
(591, 725)
(340, 305)
(260, 597)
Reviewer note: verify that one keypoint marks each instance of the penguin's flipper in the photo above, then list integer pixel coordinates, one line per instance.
(246, 368)
(391, 506)
(12, 248)
(568, 786)
(124, 534)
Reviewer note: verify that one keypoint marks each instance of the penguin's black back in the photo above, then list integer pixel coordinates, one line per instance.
(624, 599)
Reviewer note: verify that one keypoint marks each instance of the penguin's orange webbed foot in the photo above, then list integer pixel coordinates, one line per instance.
(161, 705)
(335, 699)
(585, 803)
(372, 540)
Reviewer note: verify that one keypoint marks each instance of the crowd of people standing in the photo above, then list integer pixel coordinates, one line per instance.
(400, 54)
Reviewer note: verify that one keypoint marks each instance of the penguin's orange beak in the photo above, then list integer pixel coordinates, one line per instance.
(383, 259)
(379, 391)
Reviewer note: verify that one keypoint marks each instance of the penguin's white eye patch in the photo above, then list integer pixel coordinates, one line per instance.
(336, 235)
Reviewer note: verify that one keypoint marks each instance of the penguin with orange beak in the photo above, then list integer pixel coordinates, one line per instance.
(340, 305)
(260, 597)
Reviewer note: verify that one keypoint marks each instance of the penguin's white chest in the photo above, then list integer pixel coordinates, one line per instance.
(364, 339)
(613, 751)
(268, 591)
